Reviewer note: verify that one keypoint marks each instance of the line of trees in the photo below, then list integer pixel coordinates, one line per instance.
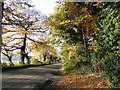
(88, 36)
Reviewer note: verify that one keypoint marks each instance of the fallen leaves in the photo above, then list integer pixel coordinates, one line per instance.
(83, 81)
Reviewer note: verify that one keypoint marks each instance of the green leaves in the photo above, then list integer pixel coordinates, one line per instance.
(110, 42)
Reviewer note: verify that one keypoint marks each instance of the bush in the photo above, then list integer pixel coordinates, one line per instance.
(68, 67)
(36, 62)
(110, 42)
(74, 63)
(4, 64)
(112, 69)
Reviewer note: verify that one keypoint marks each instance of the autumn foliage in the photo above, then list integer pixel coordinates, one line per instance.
(76, 81)
(87, 34)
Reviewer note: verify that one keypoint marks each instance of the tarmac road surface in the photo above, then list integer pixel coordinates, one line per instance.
(29, 77)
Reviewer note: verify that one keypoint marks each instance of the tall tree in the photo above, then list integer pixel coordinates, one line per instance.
(72, 26)
(21, 19)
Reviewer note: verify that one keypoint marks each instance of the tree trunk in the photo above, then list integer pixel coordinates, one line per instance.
(23, 53)
(10, 60)
(85, 42)
(28, 59)
(44, 57)
(41, 58)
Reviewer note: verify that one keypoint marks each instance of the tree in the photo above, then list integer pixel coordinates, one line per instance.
(72, 27)
(42, 50)
(21, 19)
(9, 55)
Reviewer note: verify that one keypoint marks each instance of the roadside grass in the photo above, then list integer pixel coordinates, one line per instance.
(17, 64)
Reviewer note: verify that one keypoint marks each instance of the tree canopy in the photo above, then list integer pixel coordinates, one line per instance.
(87, 34)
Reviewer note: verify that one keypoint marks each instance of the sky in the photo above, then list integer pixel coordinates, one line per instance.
(45, 6)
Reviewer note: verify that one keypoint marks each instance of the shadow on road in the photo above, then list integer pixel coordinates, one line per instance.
(30, 77)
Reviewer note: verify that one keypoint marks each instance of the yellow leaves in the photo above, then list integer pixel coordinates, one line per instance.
(16, 5)
(36, 54)
(71, 51)
(21, 30)
(4, 30)
(84, 9)
(66, 21)
(77, 20)
(32, 28)
(12, 3)
(66, 34)
(7, 36)
(46, 23)
(94, 46)
(41, 46)
(6, 12)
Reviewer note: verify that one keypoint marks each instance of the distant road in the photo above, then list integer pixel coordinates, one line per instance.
(29, 77)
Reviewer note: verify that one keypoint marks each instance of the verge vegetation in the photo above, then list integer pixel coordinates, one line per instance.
(88, 36)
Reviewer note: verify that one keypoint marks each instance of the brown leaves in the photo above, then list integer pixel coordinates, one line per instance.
(83, 81)
(73, 9)
(85, 10)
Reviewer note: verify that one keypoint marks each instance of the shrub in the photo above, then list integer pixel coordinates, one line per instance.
(112, 69)
(4, 64)
(110, 42)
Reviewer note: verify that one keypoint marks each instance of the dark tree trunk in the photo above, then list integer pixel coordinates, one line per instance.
(10, 60)
(44, 57)
(23, 53)
(28, 59)
(22, 56)
(85, 42)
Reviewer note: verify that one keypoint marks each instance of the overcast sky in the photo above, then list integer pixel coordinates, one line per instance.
(45, 6)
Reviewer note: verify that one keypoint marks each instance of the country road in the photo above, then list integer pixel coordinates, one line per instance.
(30, 77)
